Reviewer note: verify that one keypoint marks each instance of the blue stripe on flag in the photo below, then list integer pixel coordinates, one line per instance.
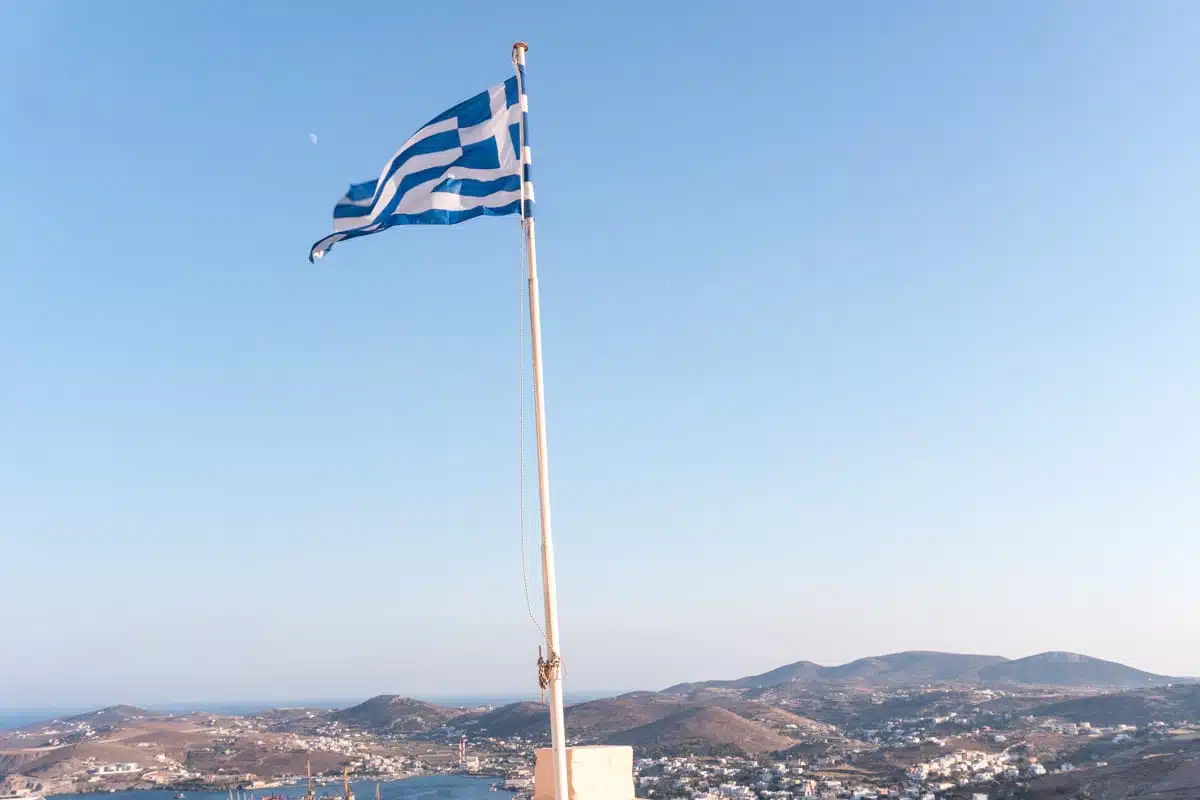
(467, 109)
(475, 111)
(438, 142)
(525, 173)
(509, 183)
(480, 155)
(361, 191)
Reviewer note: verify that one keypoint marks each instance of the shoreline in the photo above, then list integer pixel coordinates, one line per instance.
(297, 791)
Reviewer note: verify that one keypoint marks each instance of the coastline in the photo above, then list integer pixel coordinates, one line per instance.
(451, 781)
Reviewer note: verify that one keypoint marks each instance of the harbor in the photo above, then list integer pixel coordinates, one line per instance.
(435, 787)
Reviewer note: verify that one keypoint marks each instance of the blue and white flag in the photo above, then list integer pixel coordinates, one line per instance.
(464, 163)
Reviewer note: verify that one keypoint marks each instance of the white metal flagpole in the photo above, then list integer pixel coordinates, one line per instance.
(551, 668)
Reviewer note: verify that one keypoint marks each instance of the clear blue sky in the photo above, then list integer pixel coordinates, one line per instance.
(869, 326)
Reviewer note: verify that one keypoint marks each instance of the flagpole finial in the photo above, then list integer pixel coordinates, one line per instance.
(520, 48)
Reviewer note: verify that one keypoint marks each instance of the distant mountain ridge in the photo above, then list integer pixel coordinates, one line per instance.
(793, 708)
(922, 666)
(1070, 669)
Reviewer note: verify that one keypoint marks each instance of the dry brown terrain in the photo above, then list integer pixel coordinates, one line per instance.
(600, 719)
(702, 729)
(205, 744)
(1164, 770)
(1171, 777)
(777, 719)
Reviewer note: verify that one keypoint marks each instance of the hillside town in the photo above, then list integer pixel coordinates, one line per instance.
(834, 740)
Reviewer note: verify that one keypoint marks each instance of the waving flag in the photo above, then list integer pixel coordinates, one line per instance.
(464, 163)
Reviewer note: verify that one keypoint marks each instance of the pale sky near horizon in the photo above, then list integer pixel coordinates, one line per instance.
(869, 327)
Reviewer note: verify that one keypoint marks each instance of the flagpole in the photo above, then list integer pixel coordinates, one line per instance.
(551, 668)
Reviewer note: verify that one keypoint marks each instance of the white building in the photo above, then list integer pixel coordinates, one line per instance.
(127, 768)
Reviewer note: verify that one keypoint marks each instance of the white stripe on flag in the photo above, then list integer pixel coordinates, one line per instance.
(458, 202)
(414, 164)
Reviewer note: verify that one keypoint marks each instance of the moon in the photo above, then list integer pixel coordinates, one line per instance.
(312, 137)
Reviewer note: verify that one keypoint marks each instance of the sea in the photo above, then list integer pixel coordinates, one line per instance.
(432, 787)
(13, 718)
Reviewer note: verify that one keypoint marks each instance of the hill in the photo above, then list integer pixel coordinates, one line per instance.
(776, 719)
(1069, 669)
(514, 719)
(600, 718)
(597, 720)
(800, 671)
(395, 714)
(589, 721)
(913, 666)
(918, 667)
(1169, 772)
(55, 761)
(1171, 704)
(112, 715)
(702, 730)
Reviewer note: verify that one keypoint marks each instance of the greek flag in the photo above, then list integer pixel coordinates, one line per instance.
(462, 164)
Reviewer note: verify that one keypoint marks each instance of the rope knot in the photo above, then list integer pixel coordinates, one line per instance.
(547, 670)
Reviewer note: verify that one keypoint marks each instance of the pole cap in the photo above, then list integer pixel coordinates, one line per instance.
(520, 46)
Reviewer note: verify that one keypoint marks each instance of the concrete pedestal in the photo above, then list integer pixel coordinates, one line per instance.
(593, 773)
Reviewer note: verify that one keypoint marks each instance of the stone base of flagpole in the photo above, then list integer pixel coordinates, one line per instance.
(593, 773)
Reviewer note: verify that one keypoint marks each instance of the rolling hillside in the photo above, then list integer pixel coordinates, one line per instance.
(800, 671)
(1149, 774)
(776, 719)
(514, 719)
(702, 730)
(1069, 669)
(589, 721)
(597, 720)
(395, 714)
(917, 667)
(914, 666)
(112, 715)
(1139, 707)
